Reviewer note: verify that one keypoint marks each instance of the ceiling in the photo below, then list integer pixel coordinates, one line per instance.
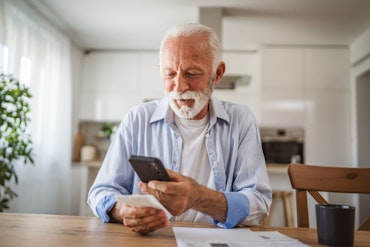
(140, 24)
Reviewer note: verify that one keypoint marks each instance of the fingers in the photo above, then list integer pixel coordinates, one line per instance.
(176, 177)
(177, 196)
(143, 187)
(130, 212)
(139, 219)
(174, 196)
(146, 224)
(165, 187)
(152, 187)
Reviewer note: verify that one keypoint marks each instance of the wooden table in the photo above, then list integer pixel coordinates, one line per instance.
(52, 230)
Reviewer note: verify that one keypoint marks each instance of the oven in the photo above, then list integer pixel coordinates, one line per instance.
(282, 145)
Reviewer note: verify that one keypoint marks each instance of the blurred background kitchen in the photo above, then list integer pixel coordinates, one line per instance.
(302, 66)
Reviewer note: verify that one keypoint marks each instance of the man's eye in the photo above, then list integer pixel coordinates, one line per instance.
(193, 75)
(169, 75)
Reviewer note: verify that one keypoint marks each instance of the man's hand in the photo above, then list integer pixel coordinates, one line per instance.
(176, 196)
(139, 220)
(184, 193)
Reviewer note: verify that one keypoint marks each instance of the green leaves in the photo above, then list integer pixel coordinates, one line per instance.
(15, 143)
(106, 130)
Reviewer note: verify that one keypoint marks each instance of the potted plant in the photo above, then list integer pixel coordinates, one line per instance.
(107, 130)
(15, 143)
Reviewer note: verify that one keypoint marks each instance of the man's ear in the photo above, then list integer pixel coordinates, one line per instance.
(220, 72)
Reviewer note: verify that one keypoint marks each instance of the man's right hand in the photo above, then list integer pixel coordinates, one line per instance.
(140, 220)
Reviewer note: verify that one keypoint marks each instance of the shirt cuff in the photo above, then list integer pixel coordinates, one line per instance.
(105, 206)
(237, 209)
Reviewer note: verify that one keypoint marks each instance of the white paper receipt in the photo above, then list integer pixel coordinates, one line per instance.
(236, 237)
(143, 200)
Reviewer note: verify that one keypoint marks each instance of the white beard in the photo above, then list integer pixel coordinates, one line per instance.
(200, 101)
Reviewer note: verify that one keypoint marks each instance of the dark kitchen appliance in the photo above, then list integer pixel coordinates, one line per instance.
(282, 145)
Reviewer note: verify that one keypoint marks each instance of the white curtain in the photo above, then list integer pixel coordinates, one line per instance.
(38, 55)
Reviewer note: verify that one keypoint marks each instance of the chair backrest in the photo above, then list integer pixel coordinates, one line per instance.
(312, 179)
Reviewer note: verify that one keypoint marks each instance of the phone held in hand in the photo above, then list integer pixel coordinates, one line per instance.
(149, 168)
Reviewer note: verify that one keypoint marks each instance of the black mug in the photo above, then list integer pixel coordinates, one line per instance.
(335, 224)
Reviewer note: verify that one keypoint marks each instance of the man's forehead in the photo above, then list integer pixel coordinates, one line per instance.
(177, 49)
(194, 43)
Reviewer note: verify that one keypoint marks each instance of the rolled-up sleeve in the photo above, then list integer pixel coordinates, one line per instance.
(238, 209)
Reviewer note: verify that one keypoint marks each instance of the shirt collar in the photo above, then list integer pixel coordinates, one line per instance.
(165, 112)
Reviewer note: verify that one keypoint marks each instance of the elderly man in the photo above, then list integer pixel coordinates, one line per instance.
(211, 148)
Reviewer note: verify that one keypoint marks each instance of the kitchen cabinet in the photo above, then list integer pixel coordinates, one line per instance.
(282, 82)
(327, 105)
(282, 107)
(109, 71)
(113, 82)
(87, 171)
(327, 126)
(282, 68)
(305, 67)
(309, 87)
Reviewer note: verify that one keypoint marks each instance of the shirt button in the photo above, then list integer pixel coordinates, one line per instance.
(207, 135)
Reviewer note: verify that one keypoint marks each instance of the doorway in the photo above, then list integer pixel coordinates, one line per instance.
(363, 134)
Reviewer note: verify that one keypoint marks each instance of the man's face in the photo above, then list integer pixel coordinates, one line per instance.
(186, 69)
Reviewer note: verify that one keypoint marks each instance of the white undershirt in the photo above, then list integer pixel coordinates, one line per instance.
(194, 160)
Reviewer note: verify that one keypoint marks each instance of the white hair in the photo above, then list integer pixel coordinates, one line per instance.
(190, 29)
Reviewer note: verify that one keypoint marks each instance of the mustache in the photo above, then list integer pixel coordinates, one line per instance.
(183, 96)
(191, 94)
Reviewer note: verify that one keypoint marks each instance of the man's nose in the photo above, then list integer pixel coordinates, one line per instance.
(181, 84)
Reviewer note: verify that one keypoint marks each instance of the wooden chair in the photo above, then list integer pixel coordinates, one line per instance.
(312, 179)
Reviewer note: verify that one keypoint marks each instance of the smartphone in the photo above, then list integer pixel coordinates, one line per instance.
(149, 168)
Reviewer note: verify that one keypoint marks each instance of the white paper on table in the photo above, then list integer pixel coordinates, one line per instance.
(237, 237)
(276, 238)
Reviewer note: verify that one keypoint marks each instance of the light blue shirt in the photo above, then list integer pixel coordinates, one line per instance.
(233, 147)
